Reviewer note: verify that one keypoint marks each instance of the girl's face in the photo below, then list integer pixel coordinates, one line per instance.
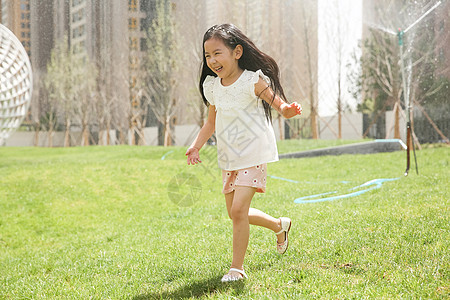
(222, 60)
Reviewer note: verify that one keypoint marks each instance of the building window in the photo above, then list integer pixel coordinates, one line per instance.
(133, 43)
(76, 2)
(132, 5)
(78, 31)
(133, 82)
(132, 23)
(134, 102)
(134, 63)
(25, 6)
(78, 15)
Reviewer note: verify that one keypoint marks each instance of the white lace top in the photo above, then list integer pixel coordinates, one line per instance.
(244, 136)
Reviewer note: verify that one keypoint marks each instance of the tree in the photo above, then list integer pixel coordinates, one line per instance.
(337, 40)
(59, 88)
(69, 83)
(105, 107)
(191, 12)
(85, 76)
(291, 38)
(47, 107)
(308, 36)
(160, 68)
(381, 74)
(334, 71)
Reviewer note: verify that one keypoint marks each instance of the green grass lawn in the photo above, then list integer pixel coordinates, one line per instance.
(98, 222)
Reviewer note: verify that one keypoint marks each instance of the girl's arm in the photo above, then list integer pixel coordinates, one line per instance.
(263, 91)
(203, 136)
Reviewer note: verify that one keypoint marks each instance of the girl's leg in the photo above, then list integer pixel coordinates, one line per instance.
(239, 212)
(258, 218)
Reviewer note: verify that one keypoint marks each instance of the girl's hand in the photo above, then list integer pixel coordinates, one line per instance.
(291, 110)
(193, 157)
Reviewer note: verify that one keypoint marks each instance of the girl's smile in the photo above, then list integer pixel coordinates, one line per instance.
(223, 61)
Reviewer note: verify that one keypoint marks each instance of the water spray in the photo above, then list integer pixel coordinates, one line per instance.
(400, 36)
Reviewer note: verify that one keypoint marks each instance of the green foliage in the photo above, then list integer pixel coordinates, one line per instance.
(367, 106)
(96, 222)
(436, 100)
(69, 83)
(380, 80)
(48, 120)
(59, 80)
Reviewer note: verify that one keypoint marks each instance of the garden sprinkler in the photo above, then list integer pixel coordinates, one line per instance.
(409, 140)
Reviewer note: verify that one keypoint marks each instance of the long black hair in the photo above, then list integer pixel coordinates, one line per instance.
(252, 59)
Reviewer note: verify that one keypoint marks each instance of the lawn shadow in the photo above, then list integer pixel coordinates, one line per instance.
(197, 289)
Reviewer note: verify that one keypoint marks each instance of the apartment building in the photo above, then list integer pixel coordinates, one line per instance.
(113, 33)
(16, 16)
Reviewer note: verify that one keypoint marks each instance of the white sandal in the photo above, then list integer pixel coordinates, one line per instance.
(228, 277)
(285, 227)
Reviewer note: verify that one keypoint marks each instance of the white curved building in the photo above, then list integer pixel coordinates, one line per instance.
(15, 83)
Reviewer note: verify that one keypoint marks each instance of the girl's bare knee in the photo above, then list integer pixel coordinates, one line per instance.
(238, 213)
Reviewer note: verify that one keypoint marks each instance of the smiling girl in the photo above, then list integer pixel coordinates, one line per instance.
(240, 84)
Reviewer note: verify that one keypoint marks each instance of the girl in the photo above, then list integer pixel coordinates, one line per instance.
(240, 84)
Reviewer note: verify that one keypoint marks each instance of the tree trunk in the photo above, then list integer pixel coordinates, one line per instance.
(167, 133)
(131, 138)
(339, 101)
(108, 137)
(37, 128)
(339, 106)
(397, 122)
(50, 134)
(315, 134)
(51, 127)
(85, 135)
(340, 124)
(122, 137)
(67, 134)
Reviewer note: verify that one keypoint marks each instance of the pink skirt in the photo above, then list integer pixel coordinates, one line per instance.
(252, 177)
